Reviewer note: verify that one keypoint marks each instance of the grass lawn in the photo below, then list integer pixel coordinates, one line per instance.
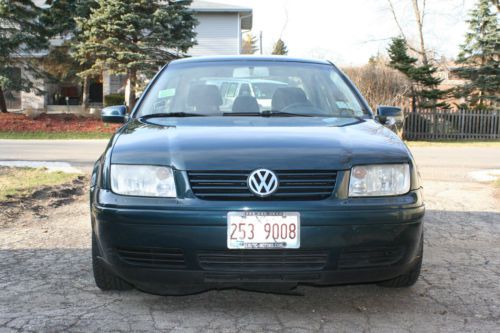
(464, 143)
(54, 135)
(24, 181)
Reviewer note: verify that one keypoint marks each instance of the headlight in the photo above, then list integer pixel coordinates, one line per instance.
(379, 180)
(143, 180)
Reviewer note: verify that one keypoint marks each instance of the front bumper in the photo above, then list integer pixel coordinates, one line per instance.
(182, 245)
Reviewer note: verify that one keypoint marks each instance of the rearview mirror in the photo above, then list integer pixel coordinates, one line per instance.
(114, 114)
(392, 117)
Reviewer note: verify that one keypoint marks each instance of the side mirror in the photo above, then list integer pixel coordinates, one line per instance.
(114, 114)
(392, 117)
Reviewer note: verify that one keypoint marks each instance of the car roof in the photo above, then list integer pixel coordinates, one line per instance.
(248, 58)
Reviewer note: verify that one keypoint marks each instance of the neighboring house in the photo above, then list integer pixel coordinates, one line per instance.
(451, 81)
(220, 27)
(219, 32)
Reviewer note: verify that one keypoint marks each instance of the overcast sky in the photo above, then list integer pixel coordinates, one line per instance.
(350, 31)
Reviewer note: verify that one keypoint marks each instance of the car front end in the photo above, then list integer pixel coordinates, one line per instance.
(184, 204)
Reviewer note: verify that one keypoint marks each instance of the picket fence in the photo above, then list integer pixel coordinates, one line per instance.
(436, 124)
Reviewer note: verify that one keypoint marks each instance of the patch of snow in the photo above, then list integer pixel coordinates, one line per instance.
(488, 175)
(51, 166)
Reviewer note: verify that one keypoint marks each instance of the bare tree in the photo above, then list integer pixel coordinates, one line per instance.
(380, 84)
(419, 17)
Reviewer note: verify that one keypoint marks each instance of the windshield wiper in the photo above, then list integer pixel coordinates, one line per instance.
(270, 113)
(171, 114)
(267, 113)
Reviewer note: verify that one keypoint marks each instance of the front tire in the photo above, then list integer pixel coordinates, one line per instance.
(104, 279)
(411, 277)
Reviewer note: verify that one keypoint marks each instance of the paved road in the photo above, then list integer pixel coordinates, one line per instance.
(438, 163)
(454, 163)
(76, 152)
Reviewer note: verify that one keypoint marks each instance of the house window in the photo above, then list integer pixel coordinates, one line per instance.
(13, 98)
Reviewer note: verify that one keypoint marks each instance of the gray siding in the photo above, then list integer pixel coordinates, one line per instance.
(217, 34)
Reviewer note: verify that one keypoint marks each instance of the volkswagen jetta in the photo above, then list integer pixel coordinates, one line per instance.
(312, 189)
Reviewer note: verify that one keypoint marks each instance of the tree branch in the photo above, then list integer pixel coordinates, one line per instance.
(396, 19)
(393, 11)
(419, 18)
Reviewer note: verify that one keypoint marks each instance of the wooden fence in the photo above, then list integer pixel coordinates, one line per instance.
(452, 125)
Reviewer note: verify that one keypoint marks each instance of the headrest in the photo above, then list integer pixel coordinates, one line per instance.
(245, 104)
(204, 95)
(284, 97)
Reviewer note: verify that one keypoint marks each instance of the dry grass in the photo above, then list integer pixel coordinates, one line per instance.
(24, 181)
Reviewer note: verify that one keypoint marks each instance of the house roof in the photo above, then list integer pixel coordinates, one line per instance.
(208, 6)
(201, 6)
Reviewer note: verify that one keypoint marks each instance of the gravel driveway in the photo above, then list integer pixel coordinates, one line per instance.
(46, 282)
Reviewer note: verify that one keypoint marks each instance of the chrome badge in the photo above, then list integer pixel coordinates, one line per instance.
(263, 182)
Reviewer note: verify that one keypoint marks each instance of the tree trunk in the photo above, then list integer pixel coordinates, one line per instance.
(3, 104)
(130, 91)
(420, 25)
(85, 93)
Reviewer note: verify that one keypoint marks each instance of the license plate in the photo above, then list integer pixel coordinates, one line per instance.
(263, 230)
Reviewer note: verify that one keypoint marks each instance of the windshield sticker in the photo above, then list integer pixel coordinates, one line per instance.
(166, 93)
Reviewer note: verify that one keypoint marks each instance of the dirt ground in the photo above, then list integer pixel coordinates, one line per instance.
(46, 282)
(40, 203)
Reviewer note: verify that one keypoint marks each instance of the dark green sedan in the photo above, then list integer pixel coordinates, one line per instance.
(205, 186)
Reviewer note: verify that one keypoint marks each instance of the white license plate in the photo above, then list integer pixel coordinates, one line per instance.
(263, 230)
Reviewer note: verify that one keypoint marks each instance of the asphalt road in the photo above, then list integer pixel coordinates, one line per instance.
(77, 152)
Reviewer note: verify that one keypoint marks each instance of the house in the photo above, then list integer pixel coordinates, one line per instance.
(219, 32)
(450, 81)
(220, 28)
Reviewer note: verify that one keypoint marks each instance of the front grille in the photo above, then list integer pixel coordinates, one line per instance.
(369, 257)
(293, 185)
(153, 257)
(262, 260)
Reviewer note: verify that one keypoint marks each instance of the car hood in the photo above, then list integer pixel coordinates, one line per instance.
(247, 143)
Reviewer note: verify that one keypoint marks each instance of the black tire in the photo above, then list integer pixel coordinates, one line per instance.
(104, 279)
(411, 277)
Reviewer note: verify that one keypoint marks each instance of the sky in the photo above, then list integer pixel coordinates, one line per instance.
(348, 32)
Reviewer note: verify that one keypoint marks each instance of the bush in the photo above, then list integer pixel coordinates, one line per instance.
(380, 84)
(114, 99)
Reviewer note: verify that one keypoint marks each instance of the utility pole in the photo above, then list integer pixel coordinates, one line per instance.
(260, 39)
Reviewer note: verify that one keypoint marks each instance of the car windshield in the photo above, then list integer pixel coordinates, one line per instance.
(250, 88)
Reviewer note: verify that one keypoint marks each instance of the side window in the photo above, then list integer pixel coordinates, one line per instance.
(223, 89)
(256, 91)
(231, 92)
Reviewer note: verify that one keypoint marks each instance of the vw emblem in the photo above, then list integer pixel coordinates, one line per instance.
(263, 182)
